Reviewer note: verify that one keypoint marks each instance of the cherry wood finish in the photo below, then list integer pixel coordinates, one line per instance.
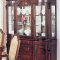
(33, 50)
(37, 48)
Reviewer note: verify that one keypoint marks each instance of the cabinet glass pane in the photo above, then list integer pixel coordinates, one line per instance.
(19, 11)
(39, 0)
(38, 10)
(43, 26)
(42, 0)
(40, 20)
(43, 9)
(38, 25)
(9, 10)
(11, 19)
(53, 20)
(24, 20)
(24, 10)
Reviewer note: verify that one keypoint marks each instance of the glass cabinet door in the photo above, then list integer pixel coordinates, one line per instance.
(11, 19)
(40, 20)
(53, 20)
(24, 20)
(31, 18)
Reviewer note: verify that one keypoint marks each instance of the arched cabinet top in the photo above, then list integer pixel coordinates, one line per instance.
(35, 1)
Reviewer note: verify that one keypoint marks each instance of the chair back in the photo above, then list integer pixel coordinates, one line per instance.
(1, 38)
(14, 48)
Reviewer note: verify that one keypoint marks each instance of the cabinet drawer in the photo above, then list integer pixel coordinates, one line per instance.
(25, 42)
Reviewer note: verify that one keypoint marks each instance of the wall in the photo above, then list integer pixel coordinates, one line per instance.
(58, 29)
(1, 14)
(3, 17)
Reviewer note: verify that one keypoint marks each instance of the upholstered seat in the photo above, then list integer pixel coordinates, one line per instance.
(14, 49)
(2, 35)
(1, 38)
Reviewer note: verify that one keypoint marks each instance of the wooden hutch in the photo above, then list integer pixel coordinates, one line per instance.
(35, 22)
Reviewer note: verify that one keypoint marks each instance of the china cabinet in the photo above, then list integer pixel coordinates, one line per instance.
(35, 23)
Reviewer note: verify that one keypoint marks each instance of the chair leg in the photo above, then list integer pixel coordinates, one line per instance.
(0, 58)
(7, 58)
